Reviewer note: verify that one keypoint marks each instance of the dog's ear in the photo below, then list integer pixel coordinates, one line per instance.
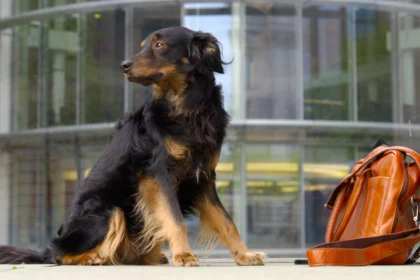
(204, 53)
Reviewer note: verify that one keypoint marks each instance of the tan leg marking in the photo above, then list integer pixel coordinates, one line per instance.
(88, 258)
(214, 220)
(186, 259)
(160, 223)
(107, 252)
(164, 258)
(155, 256)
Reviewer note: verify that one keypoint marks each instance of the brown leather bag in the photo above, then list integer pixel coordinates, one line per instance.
(374, 212)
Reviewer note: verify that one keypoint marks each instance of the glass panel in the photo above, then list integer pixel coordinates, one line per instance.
(48, 176)
(52, 3)
(325, 56)
(146, 20)
(21, 6)
(324, 168)
(61, 62)
(70, 161)
(362, 152)
(26, 76)
(28, 203)
(270, 61)
(5, 201)
(103, 94)
(374, 78)
(215, 18)
(410, 67)
(62, 157)
(273, 196)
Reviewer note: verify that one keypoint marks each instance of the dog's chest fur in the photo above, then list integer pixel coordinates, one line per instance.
(192, 152)
(191, 142)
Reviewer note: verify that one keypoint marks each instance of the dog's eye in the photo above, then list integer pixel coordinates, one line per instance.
(158, 44)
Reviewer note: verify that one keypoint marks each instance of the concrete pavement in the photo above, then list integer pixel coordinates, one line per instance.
(213, 269)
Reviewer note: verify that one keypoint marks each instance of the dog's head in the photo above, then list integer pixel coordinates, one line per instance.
(173, 52)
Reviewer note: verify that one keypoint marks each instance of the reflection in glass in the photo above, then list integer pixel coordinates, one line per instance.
(374, 78)
(273, 196)
(409, 58)
(26, 77)
(270, 61)
(325, 63)
(21, 6)
(103, 91)
(52, 3)
(324, 168)
(61, 61)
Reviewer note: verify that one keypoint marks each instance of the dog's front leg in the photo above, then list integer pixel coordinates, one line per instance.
(162, 216)
(213, 217)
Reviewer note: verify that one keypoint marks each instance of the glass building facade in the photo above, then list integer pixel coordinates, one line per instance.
(310, 89)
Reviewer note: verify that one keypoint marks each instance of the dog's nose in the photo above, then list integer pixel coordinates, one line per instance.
(126, 65)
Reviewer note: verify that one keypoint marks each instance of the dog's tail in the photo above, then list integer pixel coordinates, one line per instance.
(14, 255)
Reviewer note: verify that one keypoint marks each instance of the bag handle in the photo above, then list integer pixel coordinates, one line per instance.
(362, 251)
(368, 160)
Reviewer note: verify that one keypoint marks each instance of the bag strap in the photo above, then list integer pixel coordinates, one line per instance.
(362, 251)
(367, 161)
(332, 230)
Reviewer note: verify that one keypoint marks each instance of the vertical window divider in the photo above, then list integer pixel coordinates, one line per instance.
(299, 61)
(127, 53)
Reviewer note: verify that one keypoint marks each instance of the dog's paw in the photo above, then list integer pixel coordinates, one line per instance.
(91, 258)
(248, 258)
(163, 259)
(186, 259)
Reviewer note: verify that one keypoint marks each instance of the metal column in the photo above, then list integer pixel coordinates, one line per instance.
(299, 61)
(239, 62)
(239, 104)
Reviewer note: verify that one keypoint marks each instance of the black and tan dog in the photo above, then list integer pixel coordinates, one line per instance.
(158, 167)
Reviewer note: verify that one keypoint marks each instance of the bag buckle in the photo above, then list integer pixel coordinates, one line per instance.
(415, 210)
